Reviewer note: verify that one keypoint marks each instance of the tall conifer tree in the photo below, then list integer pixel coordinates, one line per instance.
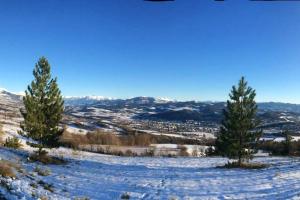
(43, 107)
(239, 128)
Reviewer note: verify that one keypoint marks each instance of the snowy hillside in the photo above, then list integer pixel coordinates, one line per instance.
(9, 99)
(100, 177)
(10, 105)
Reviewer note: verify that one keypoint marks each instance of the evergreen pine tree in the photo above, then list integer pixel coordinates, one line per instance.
(43, 107)
(239, 127)
(287, 142)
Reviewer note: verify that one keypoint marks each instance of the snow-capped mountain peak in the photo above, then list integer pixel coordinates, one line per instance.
(163, 100)
(93, 97)
(3, 89)
(84, 100)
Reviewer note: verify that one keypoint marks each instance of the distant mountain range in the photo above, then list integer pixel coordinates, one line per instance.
(89, 100)
(86, 100)
(278, 106)
(162, 109)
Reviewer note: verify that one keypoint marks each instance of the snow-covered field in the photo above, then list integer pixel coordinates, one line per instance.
(108, 177)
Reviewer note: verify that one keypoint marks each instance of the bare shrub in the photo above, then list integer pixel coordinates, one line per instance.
(108, 149)
(128, 140)
(75, 140)
(149, 152)
(103, 138)
(72, 140)
(143, 140)
(183, 151)
(137, 140)
(195, 153)
(117, 153)
(45, 159)
(130, 153)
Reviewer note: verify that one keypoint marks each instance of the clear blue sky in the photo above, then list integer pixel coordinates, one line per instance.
(187, 49)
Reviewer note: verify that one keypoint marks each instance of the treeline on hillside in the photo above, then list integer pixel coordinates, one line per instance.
(283, 148)
(142, 139)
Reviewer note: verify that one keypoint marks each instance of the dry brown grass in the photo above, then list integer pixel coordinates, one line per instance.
(8, 169)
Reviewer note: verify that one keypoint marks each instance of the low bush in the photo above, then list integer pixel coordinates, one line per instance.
(246, 165)
(116, 153)
(34, 185)
(125, 196)
(43, 198)
(8, 169)
(81, 198)
(46, 186)
(211, 151)
(12, 142)
(42, 172)
(45, 159)
(149, 152)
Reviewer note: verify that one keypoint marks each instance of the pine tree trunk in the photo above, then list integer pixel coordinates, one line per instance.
(40, 150)
(240, 151)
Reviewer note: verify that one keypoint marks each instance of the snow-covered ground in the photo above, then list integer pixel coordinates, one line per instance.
(108, 177)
